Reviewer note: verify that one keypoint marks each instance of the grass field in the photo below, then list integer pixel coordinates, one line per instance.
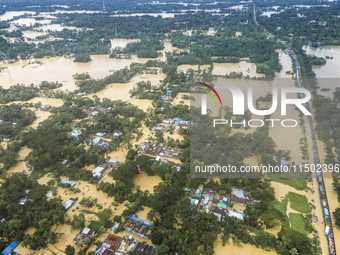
(281, 206)
(298, 202)
(37, 174)
(296, 183)
(297, 222)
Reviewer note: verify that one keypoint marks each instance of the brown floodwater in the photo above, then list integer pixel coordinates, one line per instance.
(29, 21)
(329, 70)
(238, 249)
(11, 15)
(121, 43)
(291, 138)
(146, 182)
(41, 116)
(184, 68)
(120, 91)
(286, 63)
(245, 67)
(61, 69)
(332, 67)
(163, 15)
(21, 166)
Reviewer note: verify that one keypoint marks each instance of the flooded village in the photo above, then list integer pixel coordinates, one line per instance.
(117, 131)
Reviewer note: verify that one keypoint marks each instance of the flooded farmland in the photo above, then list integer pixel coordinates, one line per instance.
(61, 69)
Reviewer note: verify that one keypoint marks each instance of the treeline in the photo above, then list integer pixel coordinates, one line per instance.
(13, 119)
(146, 48)
(121, 76)
(314, 25)
(21, 92)
(82, 58)
(228, 50)
(36, 211)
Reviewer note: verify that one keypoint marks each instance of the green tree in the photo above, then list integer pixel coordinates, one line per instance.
(336, 214)
(44, 225)
(70, 250)
(163, 250)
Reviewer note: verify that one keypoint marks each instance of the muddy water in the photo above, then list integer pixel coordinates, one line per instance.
(286, 63)
(269, 13)
(281, 190)
(235, 249)
(238, 34)
(243, 66)
(120, 91)
(146, 182)
(163, 15)
(121, 43)
(29, 22)
(11, 15)
(21, 165)
(286, 138)
(41, 116)
(55, 27)
(178, 99)
(330, 70)
(332, 67)
(143, 214)
(184, 68)
(61, 69)
(32, 34)
(167, 48)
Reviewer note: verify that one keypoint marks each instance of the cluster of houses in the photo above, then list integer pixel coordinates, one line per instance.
(13, 125)
(84, 236)
(160, 150)
(94, 110)
(27, 194)
(138, 227)
(145, 149)
(123, 245)
(97, 139)
(167, 123)
(166, 98)
(209, 201)
(107, 166)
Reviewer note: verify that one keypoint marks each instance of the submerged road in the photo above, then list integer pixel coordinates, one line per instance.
(321, 185)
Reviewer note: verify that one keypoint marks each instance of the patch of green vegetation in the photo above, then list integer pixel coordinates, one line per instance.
(297, 222)
(37, 174)
(53, 189)
(281, 206)
(95, 225)
(296, 183)
(50, 175)
(89, 212)
(298, 202)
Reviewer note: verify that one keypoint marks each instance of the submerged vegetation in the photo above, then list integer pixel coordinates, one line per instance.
(80, 134)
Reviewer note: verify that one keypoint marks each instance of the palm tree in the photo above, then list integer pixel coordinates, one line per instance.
(224, 238)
